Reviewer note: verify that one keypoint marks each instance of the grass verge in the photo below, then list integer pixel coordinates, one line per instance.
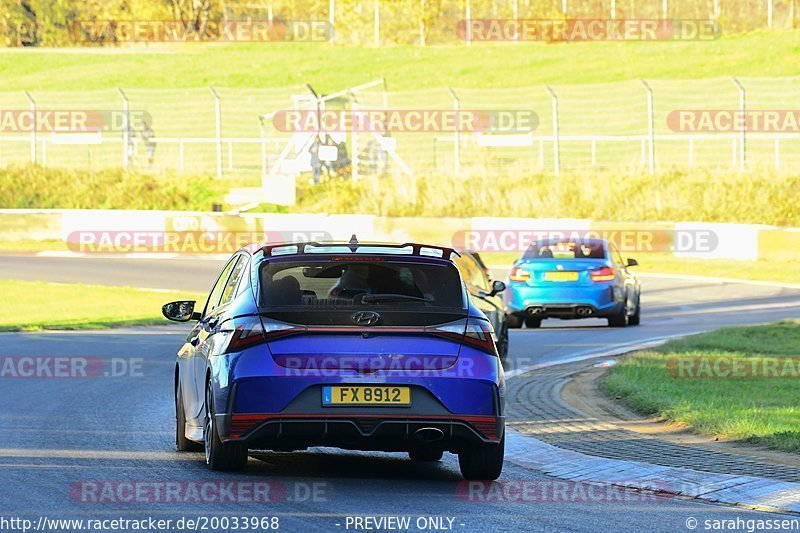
(35, 305)
(758, 410)
(405, 67)
(701, 195)
(31, 186)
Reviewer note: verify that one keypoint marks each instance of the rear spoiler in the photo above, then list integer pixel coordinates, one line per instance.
(417, 249)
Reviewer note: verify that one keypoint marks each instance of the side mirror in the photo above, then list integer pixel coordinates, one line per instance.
(632, 263)
(180, 311)
(498, 286)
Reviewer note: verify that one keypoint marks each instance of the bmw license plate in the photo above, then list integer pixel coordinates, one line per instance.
(561, 276)
(366, 395)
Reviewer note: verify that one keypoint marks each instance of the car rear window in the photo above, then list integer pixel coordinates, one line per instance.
(566, 250)
(361, 283)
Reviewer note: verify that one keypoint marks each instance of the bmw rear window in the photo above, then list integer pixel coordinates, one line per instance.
(359, 282)
(564, 250)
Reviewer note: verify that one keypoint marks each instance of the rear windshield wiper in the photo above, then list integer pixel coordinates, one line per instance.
(393, 297)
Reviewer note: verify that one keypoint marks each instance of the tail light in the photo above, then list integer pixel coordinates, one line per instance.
(250, 331)
(518, 274)
(480, 335)
(474, 332)
(243, 333)
(602, 274)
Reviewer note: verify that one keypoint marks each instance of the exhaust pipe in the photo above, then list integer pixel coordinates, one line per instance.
(584, 311)
(429, 434)
(535, 310)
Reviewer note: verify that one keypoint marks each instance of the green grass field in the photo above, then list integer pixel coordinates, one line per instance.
(405, 67)
(760, 410)
(31, 306)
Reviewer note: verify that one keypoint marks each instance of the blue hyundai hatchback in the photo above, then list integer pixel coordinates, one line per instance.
(350, 345)
(572, 278)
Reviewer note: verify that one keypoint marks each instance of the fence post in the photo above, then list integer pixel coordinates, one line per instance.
(33, 126)
(613, 9)
(332, 19)
(218, 115)
(456, 133)
(467, 25)
(769, 14)
(650, 129)
(355, 160)
(563, 7)
(263, 146)
(126, 121)
(664, 9)
(742, 125)
(556, 147)
(377, 22)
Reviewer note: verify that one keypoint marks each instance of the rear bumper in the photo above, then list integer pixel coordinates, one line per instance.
(363, 431)
(305, 422)
(599, 300)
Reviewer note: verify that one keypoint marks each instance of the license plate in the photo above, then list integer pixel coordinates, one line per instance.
(366, 395)
(561, 276)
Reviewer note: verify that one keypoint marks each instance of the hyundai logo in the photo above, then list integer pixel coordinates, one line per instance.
(365, 318)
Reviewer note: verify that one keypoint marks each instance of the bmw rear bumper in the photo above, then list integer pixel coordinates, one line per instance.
(600, 300)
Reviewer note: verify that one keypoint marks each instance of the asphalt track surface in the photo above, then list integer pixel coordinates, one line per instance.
(67, 442)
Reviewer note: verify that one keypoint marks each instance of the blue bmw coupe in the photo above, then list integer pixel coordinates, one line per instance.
(569, 279)
(350, 345)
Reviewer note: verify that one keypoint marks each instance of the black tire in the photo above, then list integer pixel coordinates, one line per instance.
(181, 442)
(482, 463)
(514, 321)
(230, 456)
(533, 323)
(635, 318)
(502, 341)
(428, 455)
(619, 320)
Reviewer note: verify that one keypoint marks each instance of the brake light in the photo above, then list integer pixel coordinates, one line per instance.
(518, 274)
(480, 335)
(602, 274)
(451, 330)
(250, 331)
(246, 332)
(274, 329)
(474, 332)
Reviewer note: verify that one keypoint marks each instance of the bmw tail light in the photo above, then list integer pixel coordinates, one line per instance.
(518, 274)
(602, 274)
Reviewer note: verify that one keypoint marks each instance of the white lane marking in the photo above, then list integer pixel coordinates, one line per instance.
(714, 279)
(592, 354)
